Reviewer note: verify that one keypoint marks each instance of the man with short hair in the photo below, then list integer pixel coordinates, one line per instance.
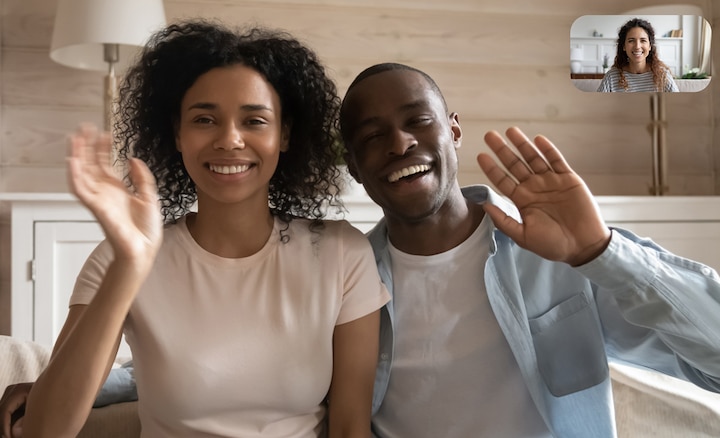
(505, 314)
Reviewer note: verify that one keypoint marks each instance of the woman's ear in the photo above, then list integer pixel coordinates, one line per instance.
(176, 130)
(285, 137)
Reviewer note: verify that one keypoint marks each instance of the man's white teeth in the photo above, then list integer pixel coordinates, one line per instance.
(402, 173)
(228, 170)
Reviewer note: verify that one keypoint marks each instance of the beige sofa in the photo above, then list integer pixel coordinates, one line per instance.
(22, 361)
(646, 404)
(649, 404)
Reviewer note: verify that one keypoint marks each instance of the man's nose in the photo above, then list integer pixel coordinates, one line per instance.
(401, 142)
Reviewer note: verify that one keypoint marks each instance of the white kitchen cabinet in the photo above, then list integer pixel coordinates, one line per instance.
(60, 249)
(34, 222)
(51, 236)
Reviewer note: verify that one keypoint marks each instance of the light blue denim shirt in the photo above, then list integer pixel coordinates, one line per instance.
(635, 303)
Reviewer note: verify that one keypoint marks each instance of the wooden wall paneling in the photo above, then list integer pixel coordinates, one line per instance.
(545, 7)
(626, 151)
(622, 184)
(42, 143)
(496, 66)
(627, 185)
(5, 259)
(34, 178)
(548, 94)
(2, 139)
(411, 35)
(28, 23)
(31, 78)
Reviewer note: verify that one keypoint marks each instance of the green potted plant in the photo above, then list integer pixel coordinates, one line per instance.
(694, 73)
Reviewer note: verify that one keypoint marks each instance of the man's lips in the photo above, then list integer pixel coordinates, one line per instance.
(407, 171)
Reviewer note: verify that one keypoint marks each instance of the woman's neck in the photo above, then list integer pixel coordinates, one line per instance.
(231, 231)
(638, 68)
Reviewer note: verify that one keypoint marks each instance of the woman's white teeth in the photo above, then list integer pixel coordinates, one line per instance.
(412, 170)
(228, 170)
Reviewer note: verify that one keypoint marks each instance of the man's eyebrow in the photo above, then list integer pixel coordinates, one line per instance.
(420, 103)
(414, 105)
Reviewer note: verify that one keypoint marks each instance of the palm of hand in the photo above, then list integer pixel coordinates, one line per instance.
(130, 218)
(132, 224)
(560, 220)
(558, 215)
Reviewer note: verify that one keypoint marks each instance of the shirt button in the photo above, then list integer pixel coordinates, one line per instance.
(705, 270)
(384, 356)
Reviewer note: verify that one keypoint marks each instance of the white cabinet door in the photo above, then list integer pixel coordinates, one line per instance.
(60, 252)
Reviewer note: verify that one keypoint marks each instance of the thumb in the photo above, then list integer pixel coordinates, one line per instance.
(143, 180)
(16, 431)
(505, 223)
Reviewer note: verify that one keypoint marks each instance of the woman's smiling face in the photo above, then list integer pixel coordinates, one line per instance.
(230, 134)
(637, 45)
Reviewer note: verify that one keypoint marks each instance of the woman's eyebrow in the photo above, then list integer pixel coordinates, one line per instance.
(246, 107)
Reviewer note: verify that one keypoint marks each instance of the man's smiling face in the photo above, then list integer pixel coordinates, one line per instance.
(402, 142)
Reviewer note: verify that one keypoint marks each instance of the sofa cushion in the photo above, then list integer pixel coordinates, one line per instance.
(23, 361)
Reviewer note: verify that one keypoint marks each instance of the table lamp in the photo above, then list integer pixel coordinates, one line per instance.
(103, 35)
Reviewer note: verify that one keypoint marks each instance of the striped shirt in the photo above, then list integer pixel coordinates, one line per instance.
(636, 82)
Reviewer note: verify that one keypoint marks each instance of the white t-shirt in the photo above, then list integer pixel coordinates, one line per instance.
(242, 347)
(453, 373)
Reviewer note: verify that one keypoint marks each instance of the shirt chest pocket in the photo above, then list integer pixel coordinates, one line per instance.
(569, 346)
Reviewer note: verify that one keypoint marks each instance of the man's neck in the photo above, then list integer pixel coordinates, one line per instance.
(437, 233)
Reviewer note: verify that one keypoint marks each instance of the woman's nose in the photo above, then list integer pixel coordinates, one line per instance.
(229, 138)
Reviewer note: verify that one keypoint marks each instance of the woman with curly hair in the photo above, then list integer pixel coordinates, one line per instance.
(637, 66)
(253, 316)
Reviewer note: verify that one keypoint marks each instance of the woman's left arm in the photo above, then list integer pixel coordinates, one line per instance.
(355, 349)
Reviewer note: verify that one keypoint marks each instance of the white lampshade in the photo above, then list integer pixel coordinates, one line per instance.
(83, 26)
(576, 54)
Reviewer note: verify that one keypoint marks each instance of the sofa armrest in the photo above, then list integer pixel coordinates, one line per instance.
(119, 420)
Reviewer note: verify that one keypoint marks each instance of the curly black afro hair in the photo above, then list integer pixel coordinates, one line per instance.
(306, 181)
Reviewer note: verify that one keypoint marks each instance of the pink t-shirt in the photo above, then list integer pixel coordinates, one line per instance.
(242, 347)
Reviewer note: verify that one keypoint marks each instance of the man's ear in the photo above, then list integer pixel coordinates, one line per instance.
(285, 136)
(454, 120)
(352, 168)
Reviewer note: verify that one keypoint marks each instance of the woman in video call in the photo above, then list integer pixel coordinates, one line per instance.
(637, 66)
